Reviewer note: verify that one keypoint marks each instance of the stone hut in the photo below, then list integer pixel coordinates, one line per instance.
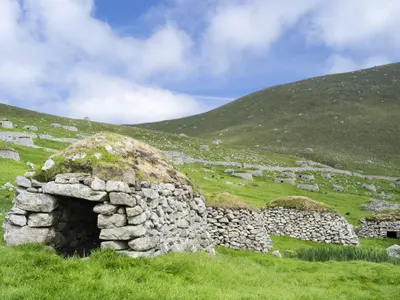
(237, 225)
(109, 191)
(306, 219)
(382, 224)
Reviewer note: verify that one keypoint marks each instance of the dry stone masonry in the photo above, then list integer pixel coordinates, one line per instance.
(307, 225)
(10, 154)
(76, 213)
(238, 229)
(379, 228)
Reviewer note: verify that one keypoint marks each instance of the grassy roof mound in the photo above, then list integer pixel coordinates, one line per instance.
(228, 201)
(111, 156)
(385, 215)
(300, 203)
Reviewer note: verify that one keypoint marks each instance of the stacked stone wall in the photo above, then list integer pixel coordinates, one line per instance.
(143, 219)
(238, 229)
(313, 226)
(372, 228)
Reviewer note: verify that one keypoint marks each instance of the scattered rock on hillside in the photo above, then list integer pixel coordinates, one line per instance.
(31, 127)
(204, 148)
(337, 188)
(393, 251)
(326, 176)
(216, 142)
(70, 128)
(286, 180)
(56, 125)
(306, 177)
(378, 205)
(6, 124)
(276, 253)
(48, 164)
(246, 176)
(308, 187)
(369, 187)
(10, 154)
(183, 135)
(30, 165)
(256, 173)
(384, 196)
(309, 150)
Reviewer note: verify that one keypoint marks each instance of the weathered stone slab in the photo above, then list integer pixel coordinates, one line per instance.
(22, 181)
(113, 221)
(116, 245)
(140, 219)
(41, 220)
(98, 185)
(15, 235)
(36, 202)
(18, 220)
(134, 211)
(77, 190)
(105, 209)
(122, 233)
(71, 178)
(143, 244)
(10, 154)
(117, 186)
(122, 199)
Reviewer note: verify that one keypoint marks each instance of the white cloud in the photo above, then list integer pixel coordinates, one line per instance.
(248, 27)
(44, 42)
(339, 63)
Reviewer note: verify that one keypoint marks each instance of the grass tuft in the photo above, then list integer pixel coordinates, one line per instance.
(345, 254)
(385, 215)
(228, 201)
(300, 203)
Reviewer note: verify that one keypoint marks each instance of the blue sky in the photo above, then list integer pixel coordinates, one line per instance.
(132, 61)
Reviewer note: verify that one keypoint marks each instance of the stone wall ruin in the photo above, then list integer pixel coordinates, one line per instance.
(379, 228)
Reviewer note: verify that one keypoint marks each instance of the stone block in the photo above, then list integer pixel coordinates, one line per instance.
(36, 202)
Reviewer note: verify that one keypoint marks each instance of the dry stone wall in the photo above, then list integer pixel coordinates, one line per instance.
(375, 228)
(313, 226)
(238, 229)
(77, 213)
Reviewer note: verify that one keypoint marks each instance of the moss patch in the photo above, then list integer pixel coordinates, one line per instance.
(300, 203)
(228, 201)
(385, 215)
(111, 156)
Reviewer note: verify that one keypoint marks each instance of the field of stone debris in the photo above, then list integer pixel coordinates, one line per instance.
(229, 178)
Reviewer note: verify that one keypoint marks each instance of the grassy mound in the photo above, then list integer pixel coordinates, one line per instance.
(228, 201)
(300, 203)
(385, 215)
(111, 156)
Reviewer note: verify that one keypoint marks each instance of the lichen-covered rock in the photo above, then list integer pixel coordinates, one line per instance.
(15, 235)
(23, 182)
(18, 220)
(36, 202)
(124, 233)
(122, 199)
(10, 154)
(105, 209)
(393, 251)
(112, 221)
(117, 186)
(42, 219)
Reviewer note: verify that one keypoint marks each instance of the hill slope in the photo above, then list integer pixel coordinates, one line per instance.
(350, 119)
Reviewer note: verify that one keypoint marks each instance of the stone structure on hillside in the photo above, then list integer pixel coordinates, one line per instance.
(6, 124)
(323, 227)
(238, 229)
(18, 138)
(109, 207)
(379, 205)
(370, 227)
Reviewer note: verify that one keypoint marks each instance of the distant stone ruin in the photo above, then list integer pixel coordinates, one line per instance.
(78, 212)
(9, 153)
(384, 223)
(312, 223)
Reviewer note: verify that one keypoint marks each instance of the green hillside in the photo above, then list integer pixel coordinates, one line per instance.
(350, 120)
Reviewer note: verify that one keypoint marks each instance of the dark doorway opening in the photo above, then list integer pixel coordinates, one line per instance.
(77, 229)
(393, 234)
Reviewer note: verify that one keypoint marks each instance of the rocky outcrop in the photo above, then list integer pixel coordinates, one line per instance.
(238, 229)
(306, 225)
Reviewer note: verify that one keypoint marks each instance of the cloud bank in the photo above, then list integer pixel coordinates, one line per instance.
(57, 57)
